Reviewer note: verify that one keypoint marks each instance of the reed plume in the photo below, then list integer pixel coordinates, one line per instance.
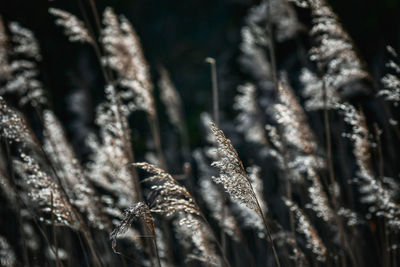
(319, 200)
(351, 217)
(124, 55)
(232, 173)
(196, 237)
(171, 99)
(295, 130)
(373, 191)
(74, 28)
(21, 66)
(5, 68)
(333, 50)
(174, 201)
(7, 255)
(317, 98)
(108, 167)
(70, 172)
(44, 194)
(391, 82)
(58, 201)
(215, 199)
(25, 41)
(174, 107)
(138, 211)
(13, 127)
(249, 114)
(234, 178)
(305, 227)
(170, 196)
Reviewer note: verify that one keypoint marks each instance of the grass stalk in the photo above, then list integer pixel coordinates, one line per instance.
(342, 235)
(155, 132)
(216, 117)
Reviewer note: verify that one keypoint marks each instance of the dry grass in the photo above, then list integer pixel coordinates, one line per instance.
(312, 189)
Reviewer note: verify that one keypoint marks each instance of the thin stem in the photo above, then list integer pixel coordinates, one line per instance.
(385, 236)
(288, 185)
(185, 142)
(213, 234)
(94, 44)
(268, 232)
(156, 248)
(343, 240)
(18, 203)
(95, 14)
(271, 46)
(90, 243)
(216, 240)
(83, 249)
(45, 237)
(155, 131)
(215, 96)
(54, 229)
(214, 81)
(331, 172)
(261, 214)
(289, 196)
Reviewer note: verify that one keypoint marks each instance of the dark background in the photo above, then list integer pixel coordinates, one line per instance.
(178, 34)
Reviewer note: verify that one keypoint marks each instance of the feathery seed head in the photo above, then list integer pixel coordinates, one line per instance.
(74, 28)
(248, 118)
(7, 255)
(171, 198)
(138, 211)
(333, 50)
(44, 193)
(195, 236)
(25, 41)
(391, 82)
(170, 96)
(215, 199)
(232, 175)
(12, 126)
(67, 167)
(305, 227)
(125, 56)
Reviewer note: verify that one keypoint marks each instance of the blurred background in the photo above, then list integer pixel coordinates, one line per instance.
(179, 35)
